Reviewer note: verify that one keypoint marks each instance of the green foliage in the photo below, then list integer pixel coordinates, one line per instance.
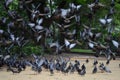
(78, 1)
(32, 49)
(28, 49)
(14, 5)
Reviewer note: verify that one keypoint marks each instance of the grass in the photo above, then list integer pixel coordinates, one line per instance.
(82, 50)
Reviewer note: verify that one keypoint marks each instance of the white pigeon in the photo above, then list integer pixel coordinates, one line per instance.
(69, 45)
(115, 43)
(105, 21)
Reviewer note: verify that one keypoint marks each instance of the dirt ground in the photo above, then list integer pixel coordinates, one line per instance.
(28, 74)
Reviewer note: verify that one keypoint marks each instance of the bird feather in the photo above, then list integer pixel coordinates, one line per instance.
(115, 43)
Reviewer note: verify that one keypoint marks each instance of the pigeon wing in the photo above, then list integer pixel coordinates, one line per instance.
(38, 27)
(78, 7)
(1, 31)
(40, 21)
(102, 21)
(91, 45)
(39, 37)
(115, 43)
(52, 45)
(67, 43)
(98, 35)
(31, 24)
(7, 2)
(72, 45)
(109, 20)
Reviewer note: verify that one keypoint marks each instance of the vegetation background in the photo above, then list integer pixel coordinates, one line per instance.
(33, 48)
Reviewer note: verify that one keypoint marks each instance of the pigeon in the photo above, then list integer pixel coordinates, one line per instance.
(73, 6)
(106, 20)
(107, 69)
(1, 31)
(76, 66)
(46, 64)
(108, 61)
(70, 68)
(87, 60)
(83, 67)
(83, 72)
(63, 66)
(101, 67)
(57, 46)
(64, 12)
(58, 66)
(63, 26)
(51, 67)
(69, 45)
(7, 3)
(1, 60)
(95, 4)
(17, 70)
(111, 11)
(112, 4)
(95, 62)
(94, 70)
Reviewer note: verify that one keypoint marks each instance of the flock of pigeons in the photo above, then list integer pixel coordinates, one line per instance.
(39, 64)
(50, 28)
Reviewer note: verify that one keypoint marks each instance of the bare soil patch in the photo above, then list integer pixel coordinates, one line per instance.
(28, 74)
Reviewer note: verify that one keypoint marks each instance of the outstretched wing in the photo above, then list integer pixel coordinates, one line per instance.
(67, 43)
(102, 21)
(40, 21)
(38, 38)
(72, 45)
(31, 24)
(91, 45)
(38, 27)
(1, 31)
(109, 20)
(115, 43)
(98, 35)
